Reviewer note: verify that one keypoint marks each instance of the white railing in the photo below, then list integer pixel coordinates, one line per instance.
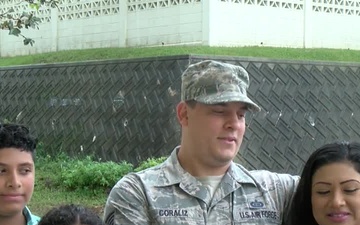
(139, 5)
(286, 4)
(70, 9)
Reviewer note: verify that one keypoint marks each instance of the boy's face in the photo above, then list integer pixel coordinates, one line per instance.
(17, 173)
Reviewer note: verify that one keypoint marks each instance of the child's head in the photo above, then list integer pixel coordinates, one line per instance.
(17, 170)
(17, 136)
(71, 215)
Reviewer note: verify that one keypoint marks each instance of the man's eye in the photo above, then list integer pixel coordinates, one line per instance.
(218, 111)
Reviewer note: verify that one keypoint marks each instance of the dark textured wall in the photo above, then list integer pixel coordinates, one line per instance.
(125, 109)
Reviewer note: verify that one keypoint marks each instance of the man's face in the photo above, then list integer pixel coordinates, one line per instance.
(17, 173)
(213, 133)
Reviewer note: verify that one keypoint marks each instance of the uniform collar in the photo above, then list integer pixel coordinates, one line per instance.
(171, 172)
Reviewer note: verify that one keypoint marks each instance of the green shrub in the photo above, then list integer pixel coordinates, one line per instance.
(92, 175)
(149, 163)
(76, 174)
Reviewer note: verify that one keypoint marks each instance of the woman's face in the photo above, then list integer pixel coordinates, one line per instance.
(335, 194)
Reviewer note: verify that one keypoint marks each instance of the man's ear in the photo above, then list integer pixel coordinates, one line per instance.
(182, 113)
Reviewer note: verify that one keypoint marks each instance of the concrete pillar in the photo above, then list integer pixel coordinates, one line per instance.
(307, 31)
(205, 22)
(54, 18)
(122, 23)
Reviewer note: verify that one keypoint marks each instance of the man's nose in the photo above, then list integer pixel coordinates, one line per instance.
(233, 121)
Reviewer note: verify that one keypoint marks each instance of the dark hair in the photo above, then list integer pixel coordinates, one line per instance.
(17, 136)
(71, 214)
(301, 209)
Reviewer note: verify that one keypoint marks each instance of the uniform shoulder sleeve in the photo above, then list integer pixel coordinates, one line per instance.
(126, 203)
(281, 187)
(289, 184)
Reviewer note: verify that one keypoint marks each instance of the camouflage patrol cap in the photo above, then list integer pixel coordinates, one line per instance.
(212, 82)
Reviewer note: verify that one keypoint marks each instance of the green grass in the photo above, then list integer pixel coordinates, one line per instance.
(339, 55)
(44, 198)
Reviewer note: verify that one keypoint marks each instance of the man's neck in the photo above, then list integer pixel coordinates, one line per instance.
(17, 219)
(207, 172)
(200, 170)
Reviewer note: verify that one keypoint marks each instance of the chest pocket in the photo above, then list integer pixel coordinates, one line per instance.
(263, 216)
(256, 209)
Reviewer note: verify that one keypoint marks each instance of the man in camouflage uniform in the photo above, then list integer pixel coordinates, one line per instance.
(199, 183)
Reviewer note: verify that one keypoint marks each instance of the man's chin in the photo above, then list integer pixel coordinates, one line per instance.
(229, 152)
(226, 158)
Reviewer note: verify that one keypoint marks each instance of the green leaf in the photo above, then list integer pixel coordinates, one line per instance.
(15, 31)
(4, 25)
(10, 24)
(35, 6)
(29, 41)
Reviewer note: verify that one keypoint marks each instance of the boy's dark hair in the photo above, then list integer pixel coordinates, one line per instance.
(17, 136)
(71, 214)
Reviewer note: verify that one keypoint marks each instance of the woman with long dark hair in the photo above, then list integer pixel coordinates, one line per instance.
(329, 189)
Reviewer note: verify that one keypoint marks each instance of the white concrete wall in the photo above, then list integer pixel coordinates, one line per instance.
(86, 33)
(11, 45)
(180, 24)
(77, 25)
(234, 24)
(335, 31)
(119, 23)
